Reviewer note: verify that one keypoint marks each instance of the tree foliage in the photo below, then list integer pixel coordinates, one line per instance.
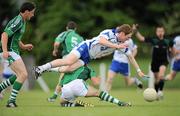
(92, 16)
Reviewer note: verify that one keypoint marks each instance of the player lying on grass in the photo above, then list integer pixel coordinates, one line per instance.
(104, 44)
(74, 85)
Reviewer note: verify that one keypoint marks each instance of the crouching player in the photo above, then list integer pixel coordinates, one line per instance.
(74, 85)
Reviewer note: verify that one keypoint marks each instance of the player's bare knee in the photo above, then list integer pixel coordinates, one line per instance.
(24, 75)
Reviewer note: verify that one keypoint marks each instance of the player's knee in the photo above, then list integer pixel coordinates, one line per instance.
(110, 79)
(24, 75)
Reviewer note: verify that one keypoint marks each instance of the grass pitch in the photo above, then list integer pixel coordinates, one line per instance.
(34, 103)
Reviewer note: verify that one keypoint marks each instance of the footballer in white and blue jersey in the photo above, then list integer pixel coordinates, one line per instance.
(120, 63)
(176, 60)
(92, 49)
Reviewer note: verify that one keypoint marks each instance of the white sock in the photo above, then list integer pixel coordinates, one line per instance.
(44, 67)
(136, 81)
(54, 69)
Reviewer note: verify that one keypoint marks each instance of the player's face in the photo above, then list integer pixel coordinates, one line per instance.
(30, 14)
(160, 32)
(123, 37)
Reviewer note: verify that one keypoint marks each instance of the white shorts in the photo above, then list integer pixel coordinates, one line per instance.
(13, 57)
(74, 89)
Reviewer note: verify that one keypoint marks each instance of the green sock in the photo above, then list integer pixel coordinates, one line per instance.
(16, 87)
(106, 97)
(7, 82)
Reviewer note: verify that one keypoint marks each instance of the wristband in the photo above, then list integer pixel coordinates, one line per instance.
(138, 70)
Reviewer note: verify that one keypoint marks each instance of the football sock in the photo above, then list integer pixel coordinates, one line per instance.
(106, 97)
(54, 95)
(161, 85)
(44, 67)
(156, 86)
(16, 87)
(7, 82)
(54, 69)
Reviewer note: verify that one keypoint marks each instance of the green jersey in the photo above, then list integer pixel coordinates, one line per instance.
(14, 29)
(69, 39)
(83, 72)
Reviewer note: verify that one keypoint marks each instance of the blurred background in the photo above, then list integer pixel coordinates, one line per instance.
(93, 16)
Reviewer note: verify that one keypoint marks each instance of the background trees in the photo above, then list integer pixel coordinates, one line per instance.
(93, 16)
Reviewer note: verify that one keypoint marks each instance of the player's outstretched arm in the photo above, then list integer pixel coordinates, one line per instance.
(105, 42)
(135, 64)
(137, 33)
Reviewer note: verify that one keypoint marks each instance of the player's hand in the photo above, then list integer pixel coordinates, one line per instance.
(135, 28)
(54, 53)
(5, 54)
(122, 46)
(29, 47)
(141, 74)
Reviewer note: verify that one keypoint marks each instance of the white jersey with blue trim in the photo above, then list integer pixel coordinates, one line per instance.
(121, 55)
(97, 50)
(177, 44)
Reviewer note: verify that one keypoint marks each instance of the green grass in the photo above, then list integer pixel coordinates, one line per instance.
(33, 103)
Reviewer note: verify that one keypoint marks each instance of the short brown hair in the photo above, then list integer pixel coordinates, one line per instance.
(71, 25)
(27, 6)
(126, 28)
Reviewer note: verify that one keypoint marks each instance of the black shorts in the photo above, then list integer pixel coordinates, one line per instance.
(156, 64)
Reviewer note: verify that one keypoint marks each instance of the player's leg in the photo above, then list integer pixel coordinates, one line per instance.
(113, 70)
(8, 75)
(92, 92)
(111, 75)
(69, 60)
(175, 69)
(55, 94)
(133, 80)
(171, 75)
(57, 90)
(71, 68)
(156, 82)
(125, 71)
(161, 75)
(19, 68)
(8, 82)
(155, 69)
(68, 68)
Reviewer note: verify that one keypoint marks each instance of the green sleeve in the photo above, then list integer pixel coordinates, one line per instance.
(60, 38)
(13, 26)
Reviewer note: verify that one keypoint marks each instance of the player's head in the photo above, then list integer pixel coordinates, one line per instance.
(123, 32)
(27, 9)
(160, 31)
(71, 25)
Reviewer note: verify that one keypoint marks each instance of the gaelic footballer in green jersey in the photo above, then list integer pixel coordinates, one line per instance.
(10, 44)
(68, 40)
